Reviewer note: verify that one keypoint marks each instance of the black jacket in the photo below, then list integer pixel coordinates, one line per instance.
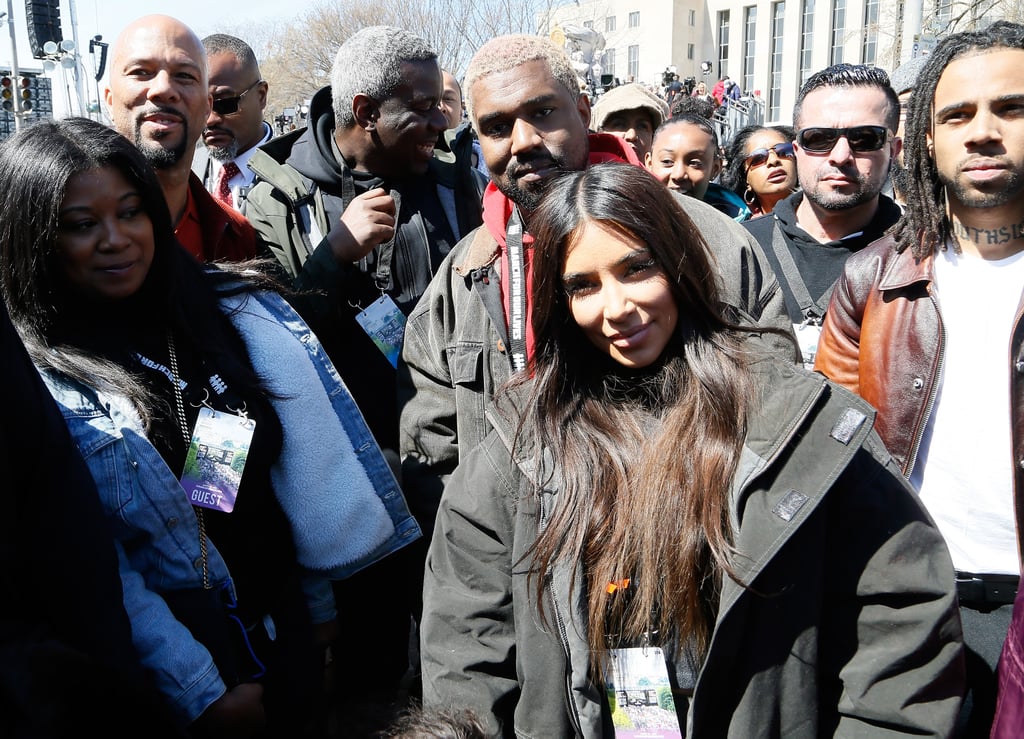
(820, 264)
(300, 192)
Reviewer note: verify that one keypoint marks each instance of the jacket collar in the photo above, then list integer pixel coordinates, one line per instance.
(902, 268)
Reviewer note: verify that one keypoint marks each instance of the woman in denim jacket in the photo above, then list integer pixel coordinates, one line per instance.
(139, 343)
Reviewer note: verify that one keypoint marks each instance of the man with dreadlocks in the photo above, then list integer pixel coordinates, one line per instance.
(926, 325)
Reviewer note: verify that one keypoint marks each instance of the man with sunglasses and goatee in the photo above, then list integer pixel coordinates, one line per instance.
(845, 117)
(159, 98)
(235, 126)
(926, 325)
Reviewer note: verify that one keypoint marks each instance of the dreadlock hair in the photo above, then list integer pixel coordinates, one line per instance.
(925, 223)
(851, 75)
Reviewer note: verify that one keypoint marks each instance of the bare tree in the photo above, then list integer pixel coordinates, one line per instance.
(296, 58)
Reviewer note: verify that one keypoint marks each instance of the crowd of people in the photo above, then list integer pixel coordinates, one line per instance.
(439, 416)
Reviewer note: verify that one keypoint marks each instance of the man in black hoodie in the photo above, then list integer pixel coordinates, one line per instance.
(845, 116)
(359, 213)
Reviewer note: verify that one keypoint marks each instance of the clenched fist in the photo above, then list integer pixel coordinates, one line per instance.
(368, 220)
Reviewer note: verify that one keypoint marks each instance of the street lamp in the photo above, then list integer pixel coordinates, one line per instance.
(62, 55)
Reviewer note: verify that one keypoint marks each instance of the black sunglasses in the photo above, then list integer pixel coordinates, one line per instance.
(229, 106)
(860, 138)
(783, 150)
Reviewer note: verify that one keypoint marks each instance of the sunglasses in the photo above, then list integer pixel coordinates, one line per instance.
(758, 157)
(229, 106)
(860, 138)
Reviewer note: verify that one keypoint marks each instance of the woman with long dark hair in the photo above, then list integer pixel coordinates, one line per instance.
(659, 485)
(234, 467)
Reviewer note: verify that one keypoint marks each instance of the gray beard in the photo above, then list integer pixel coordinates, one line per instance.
(839, 201)
(223, 153)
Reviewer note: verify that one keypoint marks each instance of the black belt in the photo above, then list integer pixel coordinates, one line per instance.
(994, 590)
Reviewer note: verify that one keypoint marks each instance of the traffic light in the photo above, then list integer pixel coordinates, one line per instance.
(7, 92)
(25, 92)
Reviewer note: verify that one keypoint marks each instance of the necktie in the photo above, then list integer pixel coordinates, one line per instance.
(223, 193)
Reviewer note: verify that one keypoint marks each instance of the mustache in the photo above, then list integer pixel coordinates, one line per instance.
(163, 110)
(850, 172)
(520, 166)
(217, 129)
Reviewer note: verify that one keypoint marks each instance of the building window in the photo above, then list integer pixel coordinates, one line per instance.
(775, 87)
(870, 50)
(608, 62)
(633, 62)
(609, 23)
(634, 19)
(588, 24)
(723, 40)
(806, 41)
(749, 39)
(693, 17)
(689, 52)
(943, 15)
(838, 31)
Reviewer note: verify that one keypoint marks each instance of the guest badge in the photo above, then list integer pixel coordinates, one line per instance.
(640, 695)
(216, 457)
(385, 324)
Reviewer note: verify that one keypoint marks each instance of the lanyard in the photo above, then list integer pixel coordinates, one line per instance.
(516, 291)
(812, 311)
(385, 251)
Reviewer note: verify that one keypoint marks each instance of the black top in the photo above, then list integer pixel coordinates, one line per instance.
(819, 264)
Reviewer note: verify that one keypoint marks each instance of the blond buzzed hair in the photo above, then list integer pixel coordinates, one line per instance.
(503, 53)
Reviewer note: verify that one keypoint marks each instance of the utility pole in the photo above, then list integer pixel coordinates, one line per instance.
(79, 68)
(14, 65)
(912, 14)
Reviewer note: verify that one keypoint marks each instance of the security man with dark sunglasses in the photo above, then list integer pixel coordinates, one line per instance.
(235, 126)
(845, 117)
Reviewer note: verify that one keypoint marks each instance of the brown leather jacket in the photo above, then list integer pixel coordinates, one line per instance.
(883, 339)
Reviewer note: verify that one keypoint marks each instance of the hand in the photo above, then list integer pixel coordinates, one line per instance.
(237, 714)
(368, 220)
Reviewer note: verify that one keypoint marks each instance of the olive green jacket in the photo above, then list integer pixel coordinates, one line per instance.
(845, 624)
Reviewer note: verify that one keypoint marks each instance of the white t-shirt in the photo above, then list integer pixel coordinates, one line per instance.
(964, 469)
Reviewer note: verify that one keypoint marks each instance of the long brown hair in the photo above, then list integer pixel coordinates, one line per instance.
(644, 460)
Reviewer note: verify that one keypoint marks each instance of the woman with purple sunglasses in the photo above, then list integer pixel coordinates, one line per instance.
(760, 166)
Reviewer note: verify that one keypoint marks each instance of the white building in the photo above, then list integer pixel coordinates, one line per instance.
(769, 47)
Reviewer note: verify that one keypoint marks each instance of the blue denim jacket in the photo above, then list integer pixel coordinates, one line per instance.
(333, 483)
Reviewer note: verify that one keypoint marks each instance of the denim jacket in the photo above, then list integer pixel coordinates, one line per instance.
(343, 503)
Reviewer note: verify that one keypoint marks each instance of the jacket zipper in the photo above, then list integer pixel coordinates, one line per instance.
(563, 637)
(908, 467)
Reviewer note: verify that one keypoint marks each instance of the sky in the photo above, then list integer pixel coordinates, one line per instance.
(109, 17)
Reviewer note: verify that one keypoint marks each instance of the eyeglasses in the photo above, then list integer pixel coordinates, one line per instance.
(229, 106)
(860, 138)
(758, 157)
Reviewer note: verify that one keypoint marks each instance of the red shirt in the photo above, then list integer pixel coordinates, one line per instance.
(212, 232)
